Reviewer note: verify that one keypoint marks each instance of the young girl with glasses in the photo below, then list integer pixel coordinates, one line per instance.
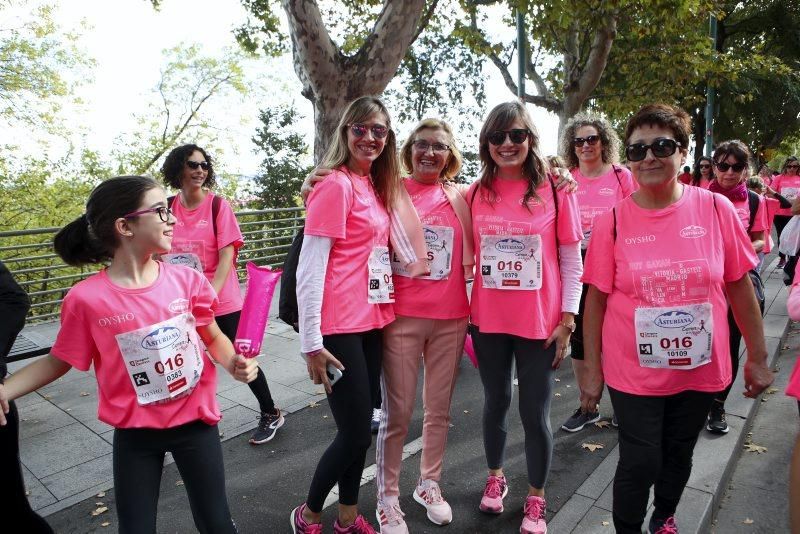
(140, 323)
(207, 238)
(524, 299)
(787, 184)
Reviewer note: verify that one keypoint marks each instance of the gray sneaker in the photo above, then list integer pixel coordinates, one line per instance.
(580, 420)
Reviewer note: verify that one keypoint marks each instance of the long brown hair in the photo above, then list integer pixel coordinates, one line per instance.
(385, 170)
(534, 168)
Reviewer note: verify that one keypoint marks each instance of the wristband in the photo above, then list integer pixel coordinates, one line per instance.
(313, 353)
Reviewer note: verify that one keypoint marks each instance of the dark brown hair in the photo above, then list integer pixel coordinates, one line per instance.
(665, 116)
(176, 161)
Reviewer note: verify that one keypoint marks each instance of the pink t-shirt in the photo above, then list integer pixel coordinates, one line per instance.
(668, 258)
(532, 314)
(345, 207)
(793, 306)
(742, 208)
(96, 310)
(434, 299)
(597, 195)
(194, 234)
(789, 187)
(704, 183)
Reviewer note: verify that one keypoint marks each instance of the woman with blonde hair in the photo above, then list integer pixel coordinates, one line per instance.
(527, 241)
(431, 318)
(345, 294)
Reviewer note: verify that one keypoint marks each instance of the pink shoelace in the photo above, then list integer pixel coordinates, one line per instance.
(535, 508)
(669, 527)
(361, 526)
(494, 487)
(433, 494)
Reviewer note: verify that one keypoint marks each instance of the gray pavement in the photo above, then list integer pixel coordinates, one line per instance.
(66, 453)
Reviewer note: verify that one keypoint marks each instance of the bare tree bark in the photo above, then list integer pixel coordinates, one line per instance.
(330, 79)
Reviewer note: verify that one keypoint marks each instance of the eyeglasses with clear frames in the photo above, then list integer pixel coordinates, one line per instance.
(423, 146)
(164, 213)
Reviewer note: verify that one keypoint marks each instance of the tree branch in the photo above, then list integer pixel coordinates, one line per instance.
(311, 44)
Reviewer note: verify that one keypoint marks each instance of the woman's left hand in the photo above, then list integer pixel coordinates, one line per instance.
(560, 335)
(565, 180)
(757, 378)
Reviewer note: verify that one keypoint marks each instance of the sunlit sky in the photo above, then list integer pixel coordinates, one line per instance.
(126, 39)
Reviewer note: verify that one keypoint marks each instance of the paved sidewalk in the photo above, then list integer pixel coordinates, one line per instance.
(66, 451)
(715, 456)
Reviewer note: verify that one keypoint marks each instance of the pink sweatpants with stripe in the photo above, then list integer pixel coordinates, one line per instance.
(407, 342)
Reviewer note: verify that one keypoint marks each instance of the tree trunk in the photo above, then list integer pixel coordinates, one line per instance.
(330, 79)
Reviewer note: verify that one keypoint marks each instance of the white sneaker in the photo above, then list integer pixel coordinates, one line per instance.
(429, 495)
(390, 518)
(375, 423)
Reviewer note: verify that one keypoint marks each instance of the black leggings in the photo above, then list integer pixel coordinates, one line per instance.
(657, 436)
(138, 464)
(496, 354)
(12, 488)
(735, 345)
(351, 403)
(780, 222)
(229, 323)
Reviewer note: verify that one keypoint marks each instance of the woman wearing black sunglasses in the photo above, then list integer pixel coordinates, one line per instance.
(660, 266)
(787, 184)
(527, 287)
(703, 174)
(590, 147)
(207, 238)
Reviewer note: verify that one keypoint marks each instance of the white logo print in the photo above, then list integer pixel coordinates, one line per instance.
(640, 239)
(693, 232)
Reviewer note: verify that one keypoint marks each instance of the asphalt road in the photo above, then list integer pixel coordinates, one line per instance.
(264, 483)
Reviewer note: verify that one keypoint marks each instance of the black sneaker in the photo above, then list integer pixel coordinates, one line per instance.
(268, 425)
(663, 526)
(614, 421)
(375, 423)
(716, 419)
(580, 420)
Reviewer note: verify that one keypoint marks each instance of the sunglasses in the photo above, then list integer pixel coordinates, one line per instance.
(737, 167)
(194, 164)
(379, 131)
(517, 136)
(793, 166)
(423, 146)
(591, 139)
(164, 213)
(662, 148)
(705, 166)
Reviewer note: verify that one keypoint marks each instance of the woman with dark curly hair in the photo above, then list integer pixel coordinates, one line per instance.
(703, 174)
(207, 238)
(590, 147)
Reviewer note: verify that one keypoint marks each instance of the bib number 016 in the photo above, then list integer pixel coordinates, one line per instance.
(171, 364)
(677, 343)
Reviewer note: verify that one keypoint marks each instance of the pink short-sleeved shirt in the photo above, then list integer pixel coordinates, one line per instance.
(194, 234)
(597, 195)
(680, 255)
(434, 299)
(96, 310)
(742, 208)
(793, 306)
(529, 314)
(345, 207)
(789, 187)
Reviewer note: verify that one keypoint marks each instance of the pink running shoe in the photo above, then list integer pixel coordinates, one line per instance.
(360, 526)
(300, 525)
(493, 494)
(429, 495)
(533, 521)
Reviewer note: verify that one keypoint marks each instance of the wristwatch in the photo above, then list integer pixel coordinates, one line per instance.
(570, 327)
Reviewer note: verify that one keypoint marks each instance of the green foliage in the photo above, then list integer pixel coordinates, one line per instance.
(282, 171)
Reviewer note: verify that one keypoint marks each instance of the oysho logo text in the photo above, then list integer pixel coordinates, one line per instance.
(639, 239)
(115, 319)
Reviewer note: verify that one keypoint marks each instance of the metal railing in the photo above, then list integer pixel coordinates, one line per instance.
(29, 256)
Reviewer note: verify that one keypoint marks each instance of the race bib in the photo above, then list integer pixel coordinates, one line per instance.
(674, 337)
(789, 192)
(439, 240)
(379, 271)
(188, 259)
(163, 360)
(511, 262)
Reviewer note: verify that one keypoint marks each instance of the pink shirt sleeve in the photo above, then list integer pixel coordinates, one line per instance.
(74, 343)
(739, 254)
(204, 300)
(569, 219)
(761, 223)
(228, 232)
(599, 265)
(328, 207)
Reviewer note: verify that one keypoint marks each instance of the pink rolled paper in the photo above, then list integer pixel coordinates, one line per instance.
(261, 282)
(469, 348)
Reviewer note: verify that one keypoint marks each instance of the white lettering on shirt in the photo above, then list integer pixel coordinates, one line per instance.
(116, 319)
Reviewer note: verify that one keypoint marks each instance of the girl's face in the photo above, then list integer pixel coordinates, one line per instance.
(653, 171)
(730, 178)
(509, 155)
(194, 178)
(365, 140)
(705, 168)
(151, 230)
(430, 153)
(587, 152)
